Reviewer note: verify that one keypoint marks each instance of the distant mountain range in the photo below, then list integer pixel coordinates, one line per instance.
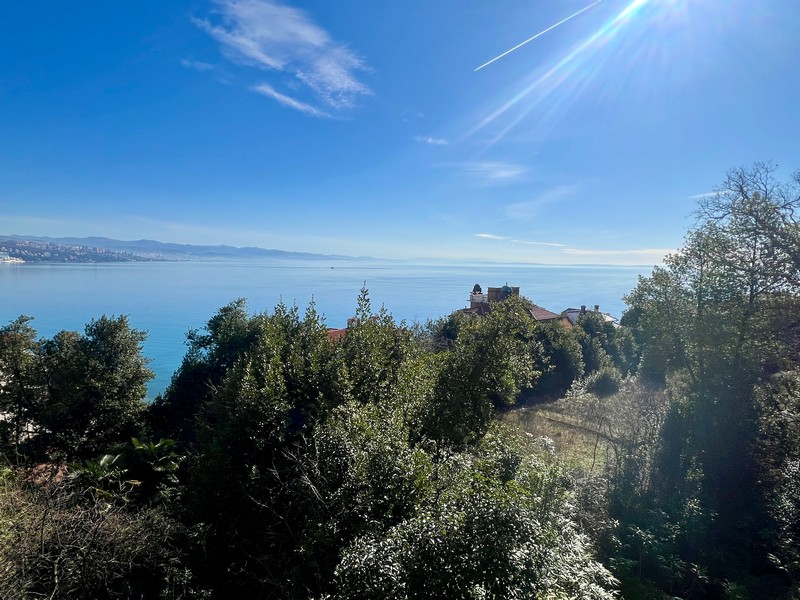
(153, 250)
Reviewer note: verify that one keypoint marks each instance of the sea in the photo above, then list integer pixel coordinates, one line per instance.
(167, 299)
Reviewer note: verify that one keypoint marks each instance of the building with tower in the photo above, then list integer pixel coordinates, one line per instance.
(480, 303)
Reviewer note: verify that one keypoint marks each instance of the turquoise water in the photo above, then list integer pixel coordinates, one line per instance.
(168, 299)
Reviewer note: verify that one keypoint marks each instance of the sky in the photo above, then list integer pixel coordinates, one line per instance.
(374, 128)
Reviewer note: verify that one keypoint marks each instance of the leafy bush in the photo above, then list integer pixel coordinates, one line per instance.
(604, 382)
(480, 537)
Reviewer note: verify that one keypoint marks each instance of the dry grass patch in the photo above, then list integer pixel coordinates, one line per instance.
(577, 443)
(592, 433)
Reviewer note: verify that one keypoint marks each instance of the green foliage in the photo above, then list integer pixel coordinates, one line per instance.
(72, 396)
(372, 353)
(104, 478)
(479, 537)
(20, 389)
(443, 332)
(564, 360)
(495, 358)
(309, 450)
(604, 382)
(709, 324)
(778, 402)
(605, 344)
(250, 429)
(625, 351)
(210, 355)
(96, 384)
(370, 466)
(153, 466)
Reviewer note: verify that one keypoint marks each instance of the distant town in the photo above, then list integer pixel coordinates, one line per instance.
(16, 248)
(30, 251)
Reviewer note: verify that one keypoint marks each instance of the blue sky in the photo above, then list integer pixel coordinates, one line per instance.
(363, 128)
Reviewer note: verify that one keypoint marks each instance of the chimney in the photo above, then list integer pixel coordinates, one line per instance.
(596, 308)
(583, 309)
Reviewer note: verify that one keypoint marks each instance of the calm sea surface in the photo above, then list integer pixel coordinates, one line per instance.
(168, 299)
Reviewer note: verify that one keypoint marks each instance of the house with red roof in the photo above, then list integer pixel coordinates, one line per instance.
(480, 303)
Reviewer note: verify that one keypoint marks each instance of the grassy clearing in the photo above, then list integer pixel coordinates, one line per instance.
(588, 431)
(579, 443)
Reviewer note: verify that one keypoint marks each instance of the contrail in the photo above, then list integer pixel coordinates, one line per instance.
(530, 39)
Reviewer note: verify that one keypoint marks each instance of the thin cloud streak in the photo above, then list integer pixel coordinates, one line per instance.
(632, 257)
(425, 139)
(541, 33)
(553, 244)
(270, 36)
(267, 90)
(491, 172)
(524, 211)
(490, 236)
(635, 252)
(197, 65)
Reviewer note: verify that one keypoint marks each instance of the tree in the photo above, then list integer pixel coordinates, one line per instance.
(564, 360)
(752, 203)
(606, 344)
(778, 450)
(495, 358)
(372, 352)
(443, 332)
(211, 353)
(708, 320)
(251, 426)
(95, 388)
(19, 387)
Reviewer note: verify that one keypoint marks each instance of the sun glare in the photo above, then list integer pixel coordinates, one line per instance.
(633, 35)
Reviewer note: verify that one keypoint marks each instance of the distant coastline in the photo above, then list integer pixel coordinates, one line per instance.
(21, 249)
(35, 249)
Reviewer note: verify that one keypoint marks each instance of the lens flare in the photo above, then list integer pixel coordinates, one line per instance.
(555, 77)
(540, 34)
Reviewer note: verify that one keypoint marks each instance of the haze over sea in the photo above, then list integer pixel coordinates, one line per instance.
(168, 298)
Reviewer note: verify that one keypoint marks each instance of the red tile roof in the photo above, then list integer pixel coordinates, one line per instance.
(336, 334)
(542, 314)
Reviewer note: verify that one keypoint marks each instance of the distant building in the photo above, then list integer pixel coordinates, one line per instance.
(480, 303)
(335, 335)
(573, 315)
(5, 257)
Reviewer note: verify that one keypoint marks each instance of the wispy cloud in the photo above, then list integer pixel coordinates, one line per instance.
(197, 65)
(635, 256)
(273, 37)
(425, 139)
(642, 251)
(488, 172)
(539, 243)
(495, 171)
(270, 92)
(490, 236)
(523, 211)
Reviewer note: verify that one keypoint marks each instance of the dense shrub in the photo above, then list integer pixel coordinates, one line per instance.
(604, 382)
